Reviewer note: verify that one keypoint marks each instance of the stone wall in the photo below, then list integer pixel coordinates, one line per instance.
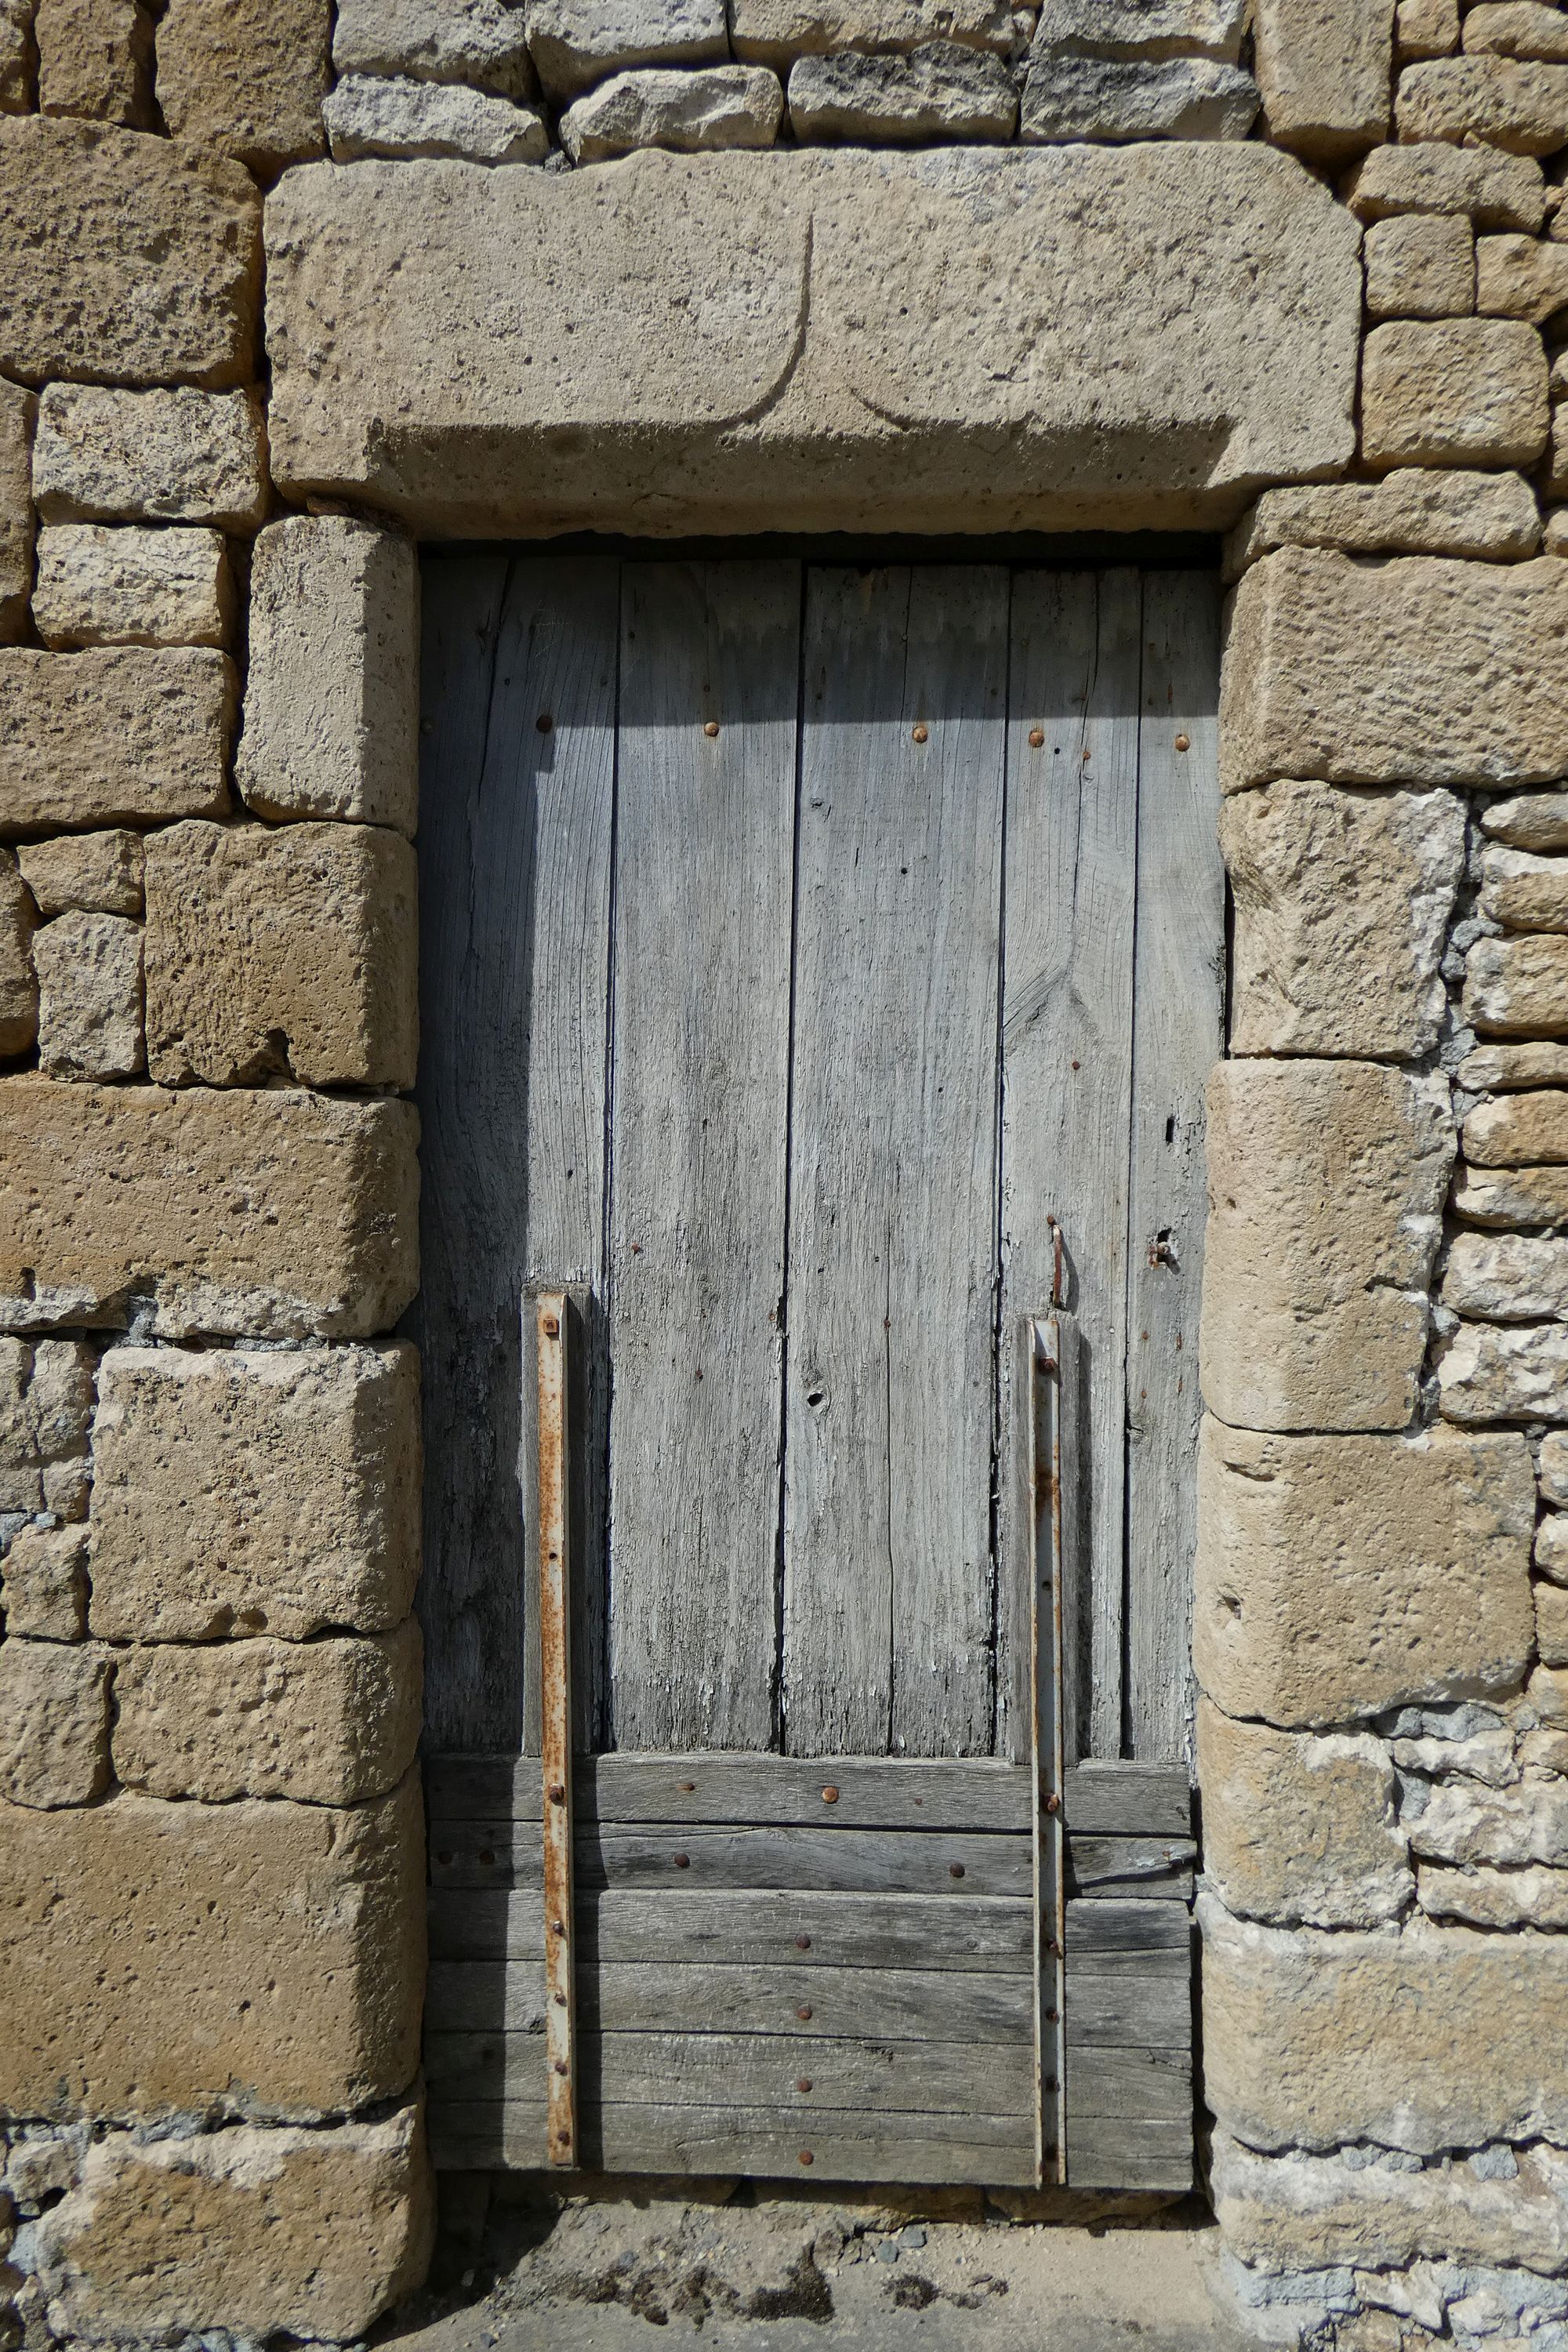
(210, 1843)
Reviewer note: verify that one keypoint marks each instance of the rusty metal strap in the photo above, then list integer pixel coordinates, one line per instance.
(556, 1730)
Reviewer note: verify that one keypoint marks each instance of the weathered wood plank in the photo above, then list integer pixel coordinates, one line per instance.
(876, 1792)
(739, 2070)
(986, 1932)
(1134, 2085)
(514, 883)
(704, 866)
(877, 2004)
(1105, 1937)
(1148, 2008)
(1107, 1867)
(840, 2144)
(1177, 1034)
(1117, 2153)
(889, 1591)
(1067, 1035)
(1128, 1799)
(850, 1862)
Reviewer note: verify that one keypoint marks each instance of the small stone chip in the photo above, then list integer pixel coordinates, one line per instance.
(1431, 177)
(95, 59)
(1499, 1371)
(1144, 28)
(1525, 1129)
(1516, 1196)
(367, 115)
(18, 987)
(1507, 1277)
(1518, 988)
(577, 42)
(1520, 278)
(1517, 28)
(1522, 891)
(776, 32)
(54, 1724)
(1411, 512)
(1529, 820)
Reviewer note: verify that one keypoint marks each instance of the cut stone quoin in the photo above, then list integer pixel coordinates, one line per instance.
(243, 1492)
(368, 115)
(289, 1944)
(716, 106)
(277, 1213)
(1299, 1827)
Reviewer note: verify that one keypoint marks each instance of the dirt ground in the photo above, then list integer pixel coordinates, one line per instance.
(749, 2268)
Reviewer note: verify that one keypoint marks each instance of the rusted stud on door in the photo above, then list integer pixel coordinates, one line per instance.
(955, 1870)
(1184, 743)
(556, 1794)
(830, 1795)
(685, 1787)
(806, 2157)
(920, 732)
(1053, 1803)
(1037, 738)
(803, 2084)
(803, 1943)
(803, 2015)
(681, 1860)
(711, 727)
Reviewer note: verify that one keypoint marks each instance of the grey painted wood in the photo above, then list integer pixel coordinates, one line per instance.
(739, 2070)
(1108, 1867)
(705, 831)
(870, 1792)
(1178, 1033)
(882, 2004)
(1129, 1800)
(1071, 864)
(842, 2143)
(514, 877)
(925, 1931)
(889, 1378)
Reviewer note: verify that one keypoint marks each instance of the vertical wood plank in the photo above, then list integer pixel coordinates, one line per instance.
(889, 1387)
(514, 872)
(1178, 1012)
(1071, 876)
(703, 892)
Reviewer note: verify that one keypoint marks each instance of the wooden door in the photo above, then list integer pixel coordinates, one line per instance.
(820, 970)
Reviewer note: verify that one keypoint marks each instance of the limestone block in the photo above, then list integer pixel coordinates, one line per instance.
(776, 32)
(1297, 1828)
(1460, 1821)
(179, 456)
(1324, 69)
(1552, 1624)
(1518, 987)
(101, 586)
(330, 1722)
(1338, 1577)
(1507, 1277)
(1518, 107)
(1528, 1129)
(1422, 2038)
(1529, 820)
(1430, 176)
(1425, 29)
(1420, 266)
(1418, 671)
(719, 106)
(1520, 278)
(95, 59)
(1555, 529)
(1141, 365)
(1297, 2211)
(102, 871)
(287, 951)
(54, 1724)
(1535, 1896)
(1553, 1467)
(1499, 1069)
(124, 258)
(367, 115)
(1071, 97)
(944, 90)
(43, 1583)
(16, 415)
(1326, 1180)
(90, 996)
(1491, 1372)
(1342, 900)
(18, 983)
(1452, 392)
(482, 42)
(45, 1404)
(577, 42)
(1144, 28)
(1552, 1547)
(1517, 28)
(331, 702)
(1523, 1196)
(289, 1944)
(1409, 512)
(278, 1213)
(242, 1491)
(247, 76)
(115, 733)
(18, 56)
(1525, 892)
(253, 2234)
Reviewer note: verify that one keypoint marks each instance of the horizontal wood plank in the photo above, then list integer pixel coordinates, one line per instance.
(1105, 1867)
(739, 2070)
(1133, 2085)
(1120, 1800)
(843, 2144)
(1112, 1936)
(1149, 2009)
(869, 1793)
(774, 1860)
(925, 1931)
(908, 2004)
(1108, 2153)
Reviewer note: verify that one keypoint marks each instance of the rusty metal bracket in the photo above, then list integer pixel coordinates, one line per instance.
(551, 1316)
(1040, 1344)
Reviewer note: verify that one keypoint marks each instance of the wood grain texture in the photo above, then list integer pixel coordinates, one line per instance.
(1067, 1031)
(704, 867)
(1177, 1035)
(953, 1863)
(514, 880)
(1119, 2153)
(1107, 1868)
(889, 1385)
(870, 2003)
(840, 2144)
(869, 1793)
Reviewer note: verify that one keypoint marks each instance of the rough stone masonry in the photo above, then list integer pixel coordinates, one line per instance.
(1298, 272)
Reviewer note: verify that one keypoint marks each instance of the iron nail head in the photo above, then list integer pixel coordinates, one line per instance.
(803, 1943)
(804, 2083)
(556, 1794)
(830, 1795)
(1184, 743)
(1037, 738)
(922, 733)
(711, 727)
(552, 1327)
